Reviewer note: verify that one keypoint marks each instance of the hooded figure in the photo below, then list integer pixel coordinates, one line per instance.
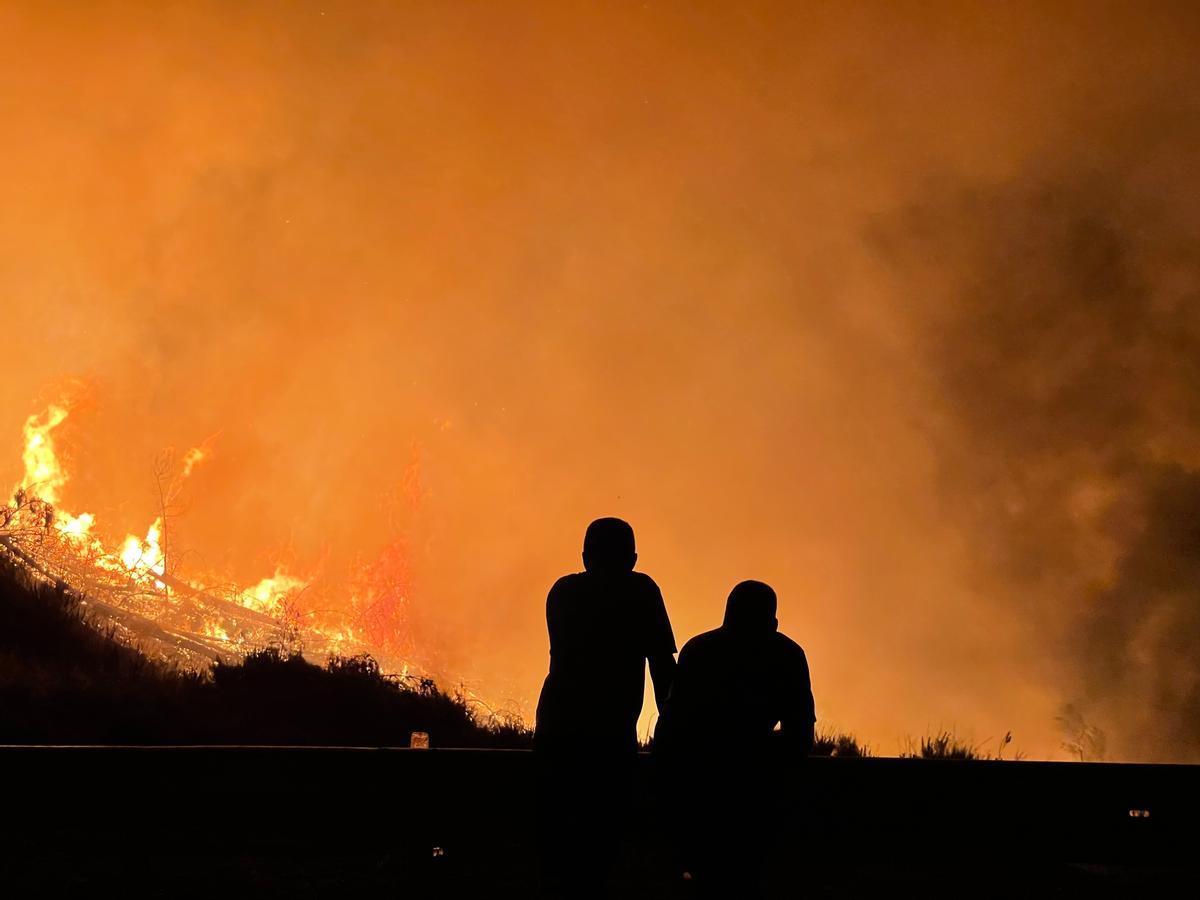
(733, 685)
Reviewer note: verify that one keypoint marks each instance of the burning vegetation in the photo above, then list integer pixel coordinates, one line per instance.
(187, 616)
(66, 679)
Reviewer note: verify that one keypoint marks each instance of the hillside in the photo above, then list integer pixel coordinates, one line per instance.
(64, 680)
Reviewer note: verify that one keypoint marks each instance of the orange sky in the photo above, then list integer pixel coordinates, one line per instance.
(579, 260)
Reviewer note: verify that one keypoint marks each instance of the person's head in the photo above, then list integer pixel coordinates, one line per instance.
(751, 608)
(608, 546)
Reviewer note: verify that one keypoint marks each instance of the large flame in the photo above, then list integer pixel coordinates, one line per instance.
(194, 615)
(269, 594)
(145, 557)
(44, 476)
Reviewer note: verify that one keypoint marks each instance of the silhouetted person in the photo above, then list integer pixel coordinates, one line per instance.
(605, 623)
(716, 741)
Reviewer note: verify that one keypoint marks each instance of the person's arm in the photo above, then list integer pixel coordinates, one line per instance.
(554, 619)
(666, 732)
(662, 675)
(660, 648)
(798, 718)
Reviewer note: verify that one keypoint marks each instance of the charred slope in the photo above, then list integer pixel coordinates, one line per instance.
(63, 680)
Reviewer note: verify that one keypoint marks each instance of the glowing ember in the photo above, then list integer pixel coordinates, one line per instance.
(190, 459)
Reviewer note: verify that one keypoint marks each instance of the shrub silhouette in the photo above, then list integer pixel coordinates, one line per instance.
(942, 745)
(835, 743)
(63, 680)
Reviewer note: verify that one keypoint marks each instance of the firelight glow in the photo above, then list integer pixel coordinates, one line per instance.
(891, 306)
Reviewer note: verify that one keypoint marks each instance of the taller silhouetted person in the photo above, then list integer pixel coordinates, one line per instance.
(732, 687)
(605, 623)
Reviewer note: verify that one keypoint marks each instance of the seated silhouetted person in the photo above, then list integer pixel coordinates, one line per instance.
(717, 739)
(605, 624)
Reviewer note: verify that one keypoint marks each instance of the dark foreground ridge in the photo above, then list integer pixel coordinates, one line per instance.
(63, 681)
(315, 822)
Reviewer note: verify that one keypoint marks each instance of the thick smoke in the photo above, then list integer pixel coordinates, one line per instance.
(1062, 330)
(567, 260)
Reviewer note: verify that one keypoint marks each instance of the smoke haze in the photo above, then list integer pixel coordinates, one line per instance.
(894, 308)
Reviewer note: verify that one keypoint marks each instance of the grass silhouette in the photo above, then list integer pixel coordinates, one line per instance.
(840, 744)
(945, 744)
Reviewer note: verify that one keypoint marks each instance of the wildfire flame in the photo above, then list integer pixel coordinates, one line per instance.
(44, 477)
(143, 557)
(190, 459)
(197, 617)
(269, 594)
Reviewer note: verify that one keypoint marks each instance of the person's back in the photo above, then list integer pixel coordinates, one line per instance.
(732, 689)
(732, 686)
(605, 624)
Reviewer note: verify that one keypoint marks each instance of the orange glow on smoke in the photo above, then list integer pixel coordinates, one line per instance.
(805, 291)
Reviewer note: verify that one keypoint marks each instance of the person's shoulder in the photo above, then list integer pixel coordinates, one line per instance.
(644, 581)
(703, 641)
(785, 646)
(643, 587)
(568, 584)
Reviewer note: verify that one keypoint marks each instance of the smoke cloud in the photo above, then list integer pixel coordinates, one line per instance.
(891, 307)
(1061, 325)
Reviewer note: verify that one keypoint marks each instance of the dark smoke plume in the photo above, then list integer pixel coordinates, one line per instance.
(1062, 328)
